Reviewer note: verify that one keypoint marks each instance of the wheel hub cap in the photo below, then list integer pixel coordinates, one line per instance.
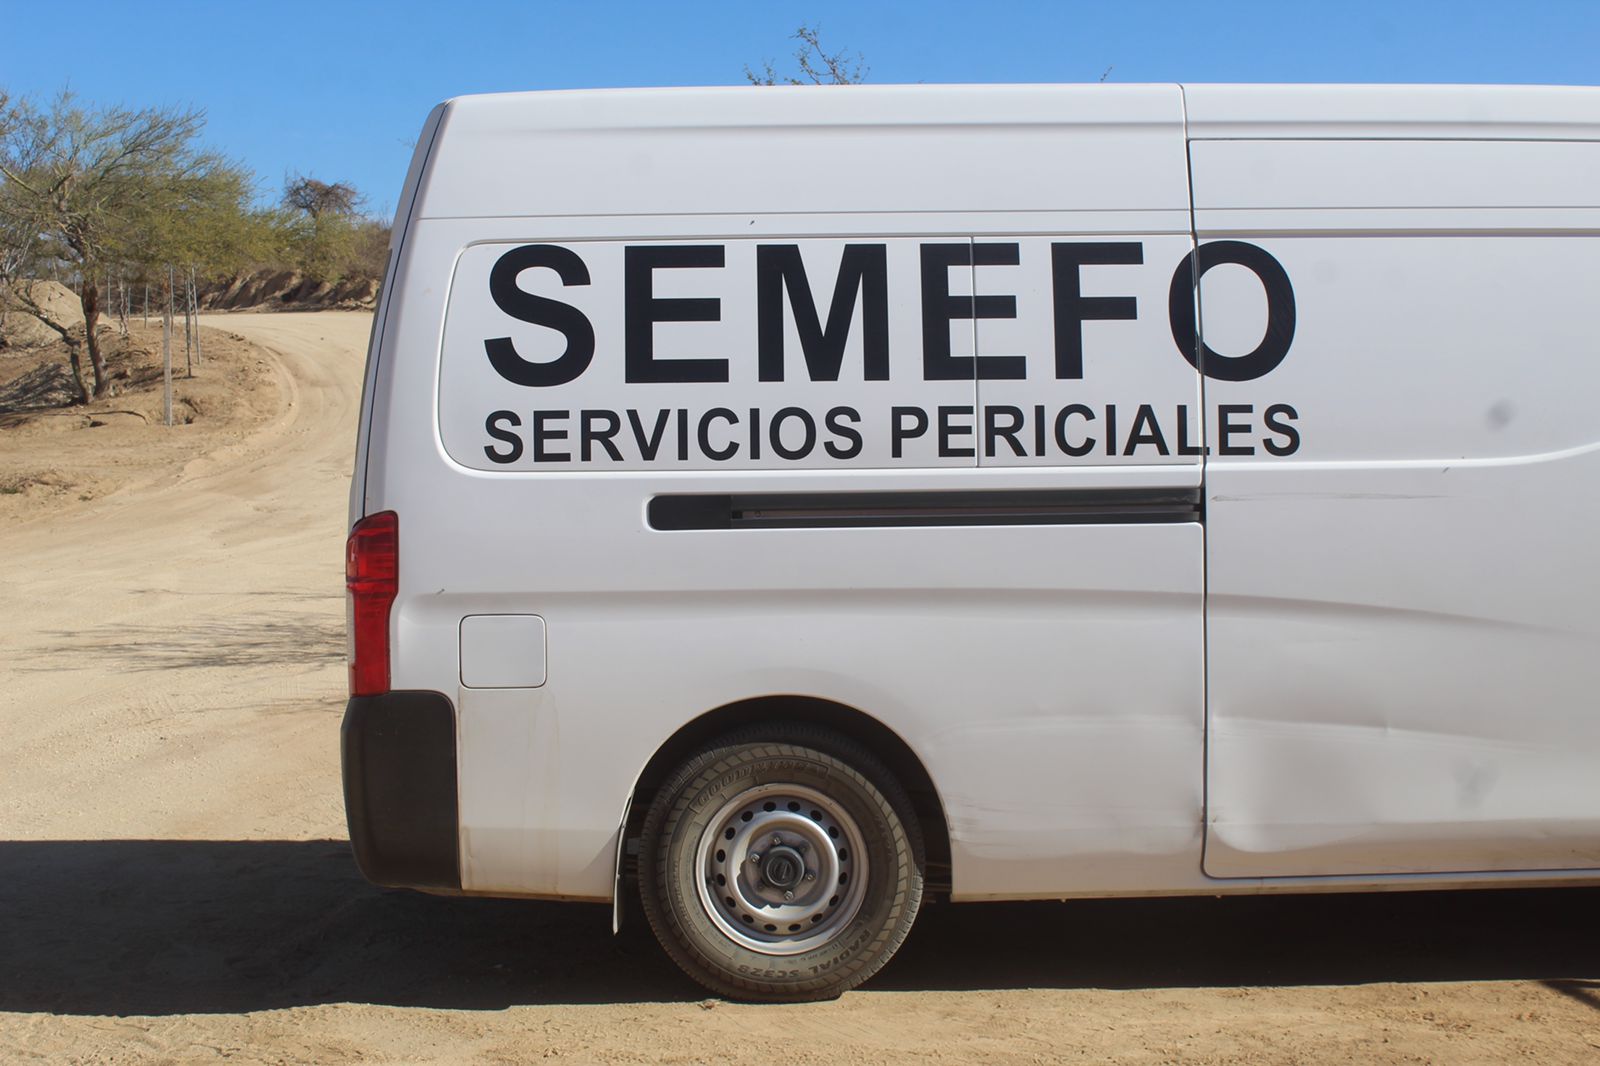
(782, 869)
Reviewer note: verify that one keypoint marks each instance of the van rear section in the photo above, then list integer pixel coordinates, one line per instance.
(784, 504)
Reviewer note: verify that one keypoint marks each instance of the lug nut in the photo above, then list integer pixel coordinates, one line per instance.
(776, 839)
(811, 875)
(788, 896)
(755, 856)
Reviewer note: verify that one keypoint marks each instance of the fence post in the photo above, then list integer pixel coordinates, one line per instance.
(194, 296)
(188, 334)
(166, 354)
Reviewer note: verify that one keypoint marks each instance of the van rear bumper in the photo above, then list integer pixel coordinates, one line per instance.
(399, 761)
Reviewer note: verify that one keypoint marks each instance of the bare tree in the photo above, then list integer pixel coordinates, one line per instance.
(815, 65)
(18, 252)
(318, 198)
(91, 188)
(20, 244)
(327, 235)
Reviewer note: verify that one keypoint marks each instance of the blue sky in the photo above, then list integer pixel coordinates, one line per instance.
(339, 89)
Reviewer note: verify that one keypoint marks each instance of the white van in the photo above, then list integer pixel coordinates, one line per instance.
(797, 503)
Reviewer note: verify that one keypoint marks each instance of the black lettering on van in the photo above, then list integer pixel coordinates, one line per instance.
(540, 311)
(841, 422)
(949, 429)
(1146, 430)
(1278, 418)
(863, 268)
(719, 455)
(1073, 309)
(648, 446)
(998, 367)
(543, 433)
(1227, 428)
(1184, 447)
(939, 309)
(1280, 311)
(901, 431)
(808, 428)
(993, 431)
(491, 426)
(1085, 413)
(641, 310)
(589, 436)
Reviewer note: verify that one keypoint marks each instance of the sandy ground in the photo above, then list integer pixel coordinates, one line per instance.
(54, 458)
(174, 884)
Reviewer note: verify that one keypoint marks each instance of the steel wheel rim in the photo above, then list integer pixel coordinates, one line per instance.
(745, 858)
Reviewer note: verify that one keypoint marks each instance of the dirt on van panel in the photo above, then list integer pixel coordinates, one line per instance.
(175, 884)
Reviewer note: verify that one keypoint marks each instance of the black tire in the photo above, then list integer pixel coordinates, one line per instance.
(831, 950)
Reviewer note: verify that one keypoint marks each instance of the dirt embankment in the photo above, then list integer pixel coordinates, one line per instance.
(21, 327)
(175, 886)
(57, 454)
(287, 290)
(260, 290)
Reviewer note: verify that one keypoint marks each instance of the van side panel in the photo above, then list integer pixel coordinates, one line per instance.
(1048, 676)
(1402, 629)
(1389, 604)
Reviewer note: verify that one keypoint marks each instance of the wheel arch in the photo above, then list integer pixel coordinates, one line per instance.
(884, 743)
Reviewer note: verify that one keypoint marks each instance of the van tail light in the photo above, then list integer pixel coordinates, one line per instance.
(371, 577)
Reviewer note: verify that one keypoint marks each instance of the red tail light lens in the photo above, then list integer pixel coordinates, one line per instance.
(372, 577)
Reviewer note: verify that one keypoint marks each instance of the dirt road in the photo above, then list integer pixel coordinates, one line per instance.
(174, 885)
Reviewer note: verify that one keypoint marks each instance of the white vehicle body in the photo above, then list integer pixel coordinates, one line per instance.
(1321, 616)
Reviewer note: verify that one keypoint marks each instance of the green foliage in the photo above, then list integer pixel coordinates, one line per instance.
(206, 223)
(108, 190)
(326, 237)
(101, 191)
(113, 189)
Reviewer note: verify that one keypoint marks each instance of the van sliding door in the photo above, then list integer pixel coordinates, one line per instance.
(1081, 769)
(1401, 505)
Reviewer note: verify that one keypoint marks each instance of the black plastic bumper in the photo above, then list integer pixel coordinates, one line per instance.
(399, 754)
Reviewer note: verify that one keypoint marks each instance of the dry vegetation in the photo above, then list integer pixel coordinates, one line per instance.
(58, 453)
(117, 201)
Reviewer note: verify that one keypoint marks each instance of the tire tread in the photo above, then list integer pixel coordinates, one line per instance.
(798, 741)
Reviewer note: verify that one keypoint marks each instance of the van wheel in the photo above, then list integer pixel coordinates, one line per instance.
(781, 864)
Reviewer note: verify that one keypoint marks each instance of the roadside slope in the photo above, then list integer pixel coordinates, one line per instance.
(160, 643)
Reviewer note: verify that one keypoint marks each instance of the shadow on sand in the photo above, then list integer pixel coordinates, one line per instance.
(177, 927)
(257, 642)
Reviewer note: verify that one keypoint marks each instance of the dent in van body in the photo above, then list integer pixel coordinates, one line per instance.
(1401, 622)
(1410, 696)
